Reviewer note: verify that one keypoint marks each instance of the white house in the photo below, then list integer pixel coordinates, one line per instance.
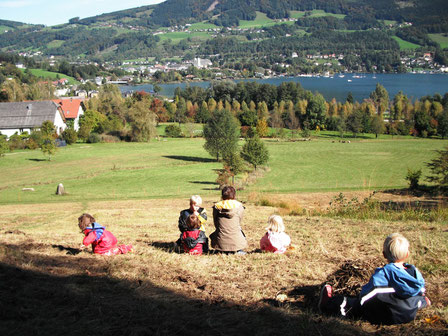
(72, 108)
(202, 63)
(26, 116)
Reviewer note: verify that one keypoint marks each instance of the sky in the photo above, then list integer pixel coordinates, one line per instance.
(54, 12)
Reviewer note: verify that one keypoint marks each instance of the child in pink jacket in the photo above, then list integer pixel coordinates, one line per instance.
(275, 240)
(103, 241)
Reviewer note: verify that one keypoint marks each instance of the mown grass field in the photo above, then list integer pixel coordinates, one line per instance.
(441, 39)
(49, 286)
(315, 13)
(405, 45)
(51, 75)
(173, 168)
(176, 37)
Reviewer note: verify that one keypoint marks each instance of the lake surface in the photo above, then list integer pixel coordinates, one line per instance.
(360, 85)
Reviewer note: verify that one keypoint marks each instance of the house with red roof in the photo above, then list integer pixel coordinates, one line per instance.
(72, 109)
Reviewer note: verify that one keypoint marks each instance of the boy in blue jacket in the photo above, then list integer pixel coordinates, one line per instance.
(393, 294)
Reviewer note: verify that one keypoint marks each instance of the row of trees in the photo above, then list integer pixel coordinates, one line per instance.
(302, 109)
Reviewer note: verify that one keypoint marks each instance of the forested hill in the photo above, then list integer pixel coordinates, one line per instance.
(192, 28)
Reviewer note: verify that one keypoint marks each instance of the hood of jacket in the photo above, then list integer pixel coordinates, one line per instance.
(97, 228)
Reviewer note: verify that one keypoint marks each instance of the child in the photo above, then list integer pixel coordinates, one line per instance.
(275, 240)
(393, 295)
(103, 241)
(194, 240)
(194, 209)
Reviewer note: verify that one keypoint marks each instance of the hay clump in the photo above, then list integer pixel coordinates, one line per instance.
(351, 276)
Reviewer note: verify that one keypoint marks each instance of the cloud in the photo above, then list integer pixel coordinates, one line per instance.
(15, 4)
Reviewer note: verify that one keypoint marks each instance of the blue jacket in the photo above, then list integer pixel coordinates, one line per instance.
(393, 295)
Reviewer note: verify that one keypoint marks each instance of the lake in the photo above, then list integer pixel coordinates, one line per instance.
(360, 85)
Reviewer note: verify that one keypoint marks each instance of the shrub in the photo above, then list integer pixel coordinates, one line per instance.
(173, 131)
(94, 138)
(109, 138)
(413, 176)
(16, 142)
(70, 136)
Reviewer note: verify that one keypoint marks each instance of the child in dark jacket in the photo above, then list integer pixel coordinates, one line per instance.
(194, 209)
(194, 240)
(393, 295)
(103, 241)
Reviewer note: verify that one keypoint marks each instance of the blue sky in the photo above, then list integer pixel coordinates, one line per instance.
(53, 12)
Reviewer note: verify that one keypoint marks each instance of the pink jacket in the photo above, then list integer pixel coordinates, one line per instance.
(276, 242)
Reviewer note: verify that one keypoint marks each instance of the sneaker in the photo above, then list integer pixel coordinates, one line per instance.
(325, 294)
(241, 252)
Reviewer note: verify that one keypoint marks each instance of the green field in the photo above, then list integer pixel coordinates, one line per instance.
(405, 45)
(175, 168)
(5, 28)
(260, 21)
(51, 75)
(441, 39)
(55, 44)
(315, 13)
(202, 25)
(176, 37)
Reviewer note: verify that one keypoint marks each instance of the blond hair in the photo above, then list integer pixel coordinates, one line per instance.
(395, 247)
(196, 199)
(275, 224)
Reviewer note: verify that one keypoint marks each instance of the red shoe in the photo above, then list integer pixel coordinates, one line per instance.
(325, 294)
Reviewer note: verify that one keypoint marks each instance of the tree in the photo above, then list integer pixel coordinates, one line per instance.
(439, 168)
(262, 128)
(48, 143)
(221, 134)
(380, 98)
(377, 125)
(316, 110)
(3, 145)
(48, 146)
(255, 152)
(142, 121)
(233, 164)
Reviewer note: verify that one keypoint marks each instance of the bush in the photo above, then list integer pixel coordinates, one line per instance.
(173, 131)
(109, 138)
(94, 138)
(413, 176)
(32, 144)
(16, 142)
(70, 136)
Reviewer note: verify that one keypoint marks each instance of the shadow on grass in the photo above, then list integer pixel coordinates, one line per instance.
(37, 160)
(70, 250)
(189, 158)
(203, 182)
(170, 247)
(72, 295)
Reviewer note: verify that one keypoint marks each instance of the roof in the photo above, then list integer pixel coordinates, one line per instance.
(27, 114)
(70, 106)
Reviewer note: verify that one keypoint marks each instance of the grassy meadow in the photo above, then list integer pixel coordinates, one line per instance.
(405, 45)
(441, 39)
(51, 75)
(49, 286)
(176, 168)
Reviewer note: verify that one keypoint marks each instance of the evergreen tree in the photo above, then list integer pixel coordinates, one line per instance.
(439, 168)
(255, 152)
(221, 134)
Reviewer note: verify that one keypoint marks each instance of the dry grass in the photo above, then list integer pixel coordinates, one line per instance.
(48, 286)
